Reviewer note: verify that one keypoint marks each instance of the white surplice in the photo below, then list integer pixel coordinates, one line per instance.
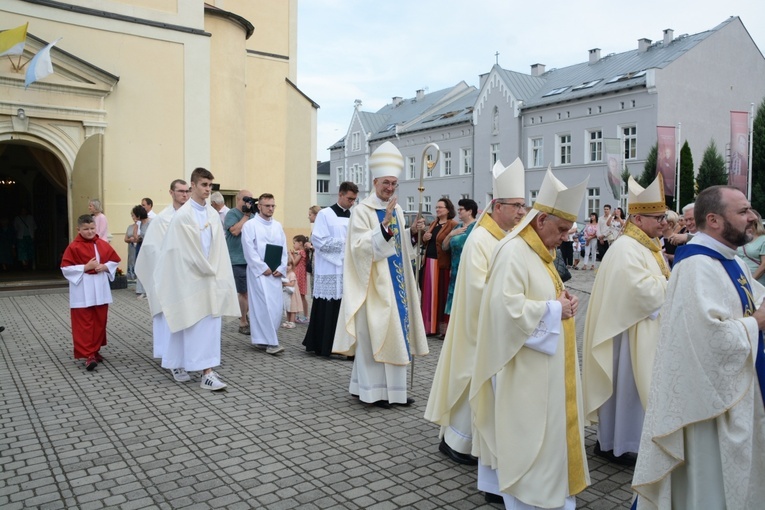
(328, 238)
(264, 292)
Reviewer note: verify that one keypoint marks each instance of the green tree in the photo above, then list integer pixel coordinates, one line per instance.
(712, 168)
(758, 159)
(649, 169)
(687, 184)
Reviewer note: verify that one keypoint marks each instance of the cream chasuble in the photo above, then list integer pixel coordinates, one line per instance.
(704, 408)
(191, 285)
(367, 282)
(146, 262)
(526, 404)
(451, 382)
(629, 289)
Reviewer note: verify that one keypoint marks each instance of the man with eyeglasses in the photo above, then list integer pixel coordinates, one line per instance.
(147, 261)
(261, 235)
(195, 286)
(380, 321)
(448, 403)
(622, 326)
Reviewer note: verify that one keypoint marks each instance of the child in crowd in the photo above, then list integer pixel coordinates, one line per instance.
(89, 263)
(300, 259)
(291, 297)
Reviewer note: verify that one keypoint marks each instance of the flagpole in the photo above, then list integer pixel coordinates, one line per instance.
(679, 157)
(751, 133)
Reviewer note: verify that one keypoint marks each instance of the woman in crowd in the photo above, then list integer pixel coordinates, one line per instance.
(102, 224)
(139, 213)
(434, 275)
(753, 253)
(467, 211)
(590, 241)
(131, 238)
(617, 224)
(667, 247)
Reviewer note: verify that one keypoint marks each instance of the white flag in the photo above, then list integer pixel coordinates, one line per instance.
(40, 66)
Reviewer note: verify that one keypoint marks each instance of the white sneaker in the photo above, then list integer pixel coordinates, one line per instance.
(211, 382)
(180, 375)
(274, 349)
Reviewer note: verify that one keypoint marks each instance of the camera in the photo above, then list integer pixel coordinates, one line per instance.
(250, 205)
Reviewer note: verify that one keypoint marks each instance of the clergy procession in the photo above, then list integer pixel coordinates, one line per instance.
(672, 372)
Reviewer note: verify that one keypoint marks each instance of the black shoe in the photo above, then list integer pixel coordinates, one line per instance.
(493, 498)
(626, 459)
(459, 458)
(91, 364)
(2, 328)
(409, 401)
(384, 404)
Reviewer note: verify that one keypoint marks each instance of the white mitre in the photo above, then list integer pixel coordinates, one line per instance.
(556, 199)
(509, 182)
(646, 201)
(386, 161)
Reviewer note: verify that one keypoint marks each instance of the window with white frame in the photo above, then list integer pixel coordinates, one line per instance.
(536, 152)
(593, 200)
(447, 162)
(322, 186)
(629, 134)
(427, 165)
(426, 204)
(564, 149)
(357, 175)
(355, 141)
(533, 194)
(410, 203)
(464, 195)
(494, 153)
(595, 149)
(411, 168)
(340, 176)
(466, 155)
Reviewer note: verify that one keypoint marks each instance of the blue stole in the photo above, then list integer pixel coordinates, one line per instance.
(744, 289)
(397, 276)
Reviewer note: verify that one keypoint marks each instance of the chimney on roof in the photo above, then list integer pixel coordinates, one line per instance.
(397, 100)
(420, 94)
(357, 104)
(537, 69)
(594, 55)
(668, 35)
(643, 44)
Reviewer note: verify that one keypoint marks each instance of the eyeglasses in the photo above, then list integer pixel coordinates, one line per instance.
(518, 205)
(389, 184)
(658, 217)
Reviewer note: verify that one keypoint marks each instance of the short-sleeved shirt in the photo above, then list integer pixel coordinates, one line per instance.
(233, 242)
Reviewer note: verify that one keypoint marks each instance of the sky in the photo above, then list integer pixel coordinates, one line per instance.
(374, 50)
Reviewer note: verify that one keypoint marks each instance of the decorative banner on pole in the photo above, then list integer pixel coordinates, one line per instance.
(12, 40)
(666, 158)
(738, 173)
(614, 168)
(40, 66)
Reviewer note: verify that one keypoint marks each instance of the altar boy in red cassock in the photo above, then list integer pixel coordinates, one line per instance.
(89, 263)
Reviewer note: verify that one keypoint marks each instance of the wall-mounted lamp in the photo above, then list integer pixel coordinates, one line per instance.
(21, 114)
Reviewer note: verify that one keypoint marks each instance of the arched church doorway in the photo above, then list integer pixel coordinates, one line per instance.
(33, 203)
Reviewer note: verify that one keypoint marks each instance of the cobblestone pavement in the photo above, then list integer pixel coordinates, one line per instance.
(285, 434)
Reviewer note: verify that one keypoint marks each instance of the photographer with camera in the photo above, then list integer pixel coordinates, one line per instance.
(246, 207)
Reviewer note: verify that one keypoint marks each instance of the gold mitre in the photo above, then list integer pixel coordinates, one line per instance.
(509, 182)
(554, 198)
(648, 200)
(386, 161)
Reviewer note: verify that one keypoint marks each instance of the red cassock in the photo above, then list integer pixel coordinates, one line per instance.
(89, 296)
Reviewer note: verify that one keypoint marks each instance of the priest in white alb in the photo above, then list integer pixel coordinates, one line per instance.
(526, 392)
(448, 403)
(261, 236)
(380, 320)
(195, 285)
(622, 326)
(147, 262)
(703, 442)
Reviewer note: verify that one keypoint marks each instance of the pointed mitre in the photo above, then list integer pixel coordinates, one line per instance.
(386, 161)
(509, 182)
(554, 198)
(646, 201)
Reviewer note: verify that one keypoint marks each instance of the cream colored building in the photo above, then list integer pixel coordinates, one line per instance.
(143, 92)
